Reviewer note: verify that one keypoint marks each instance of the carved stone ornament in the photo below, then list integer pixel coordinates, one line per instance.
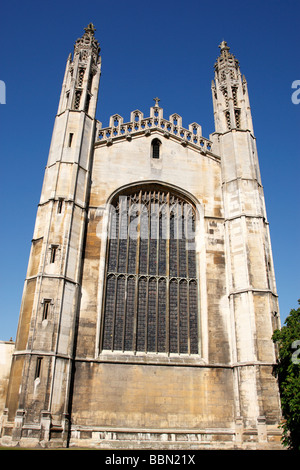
(87, 43)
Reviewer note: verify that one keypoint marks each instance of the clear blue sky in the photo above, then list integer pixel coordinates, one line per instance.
(149, 49)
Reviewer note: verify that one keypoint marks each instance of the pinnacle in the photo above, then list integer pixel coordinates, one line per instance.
(88, 40)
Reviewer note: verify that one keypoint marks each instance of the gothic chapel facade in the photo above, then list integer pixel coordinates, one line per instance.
(150, 297)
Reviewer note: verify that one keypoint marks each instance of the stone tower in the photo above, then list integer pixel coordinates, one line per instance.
(52, 287)
(150, 298)
(249, 266)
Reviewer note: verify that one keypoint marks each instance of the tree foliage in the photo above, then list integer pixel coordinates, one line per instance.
(287, 370)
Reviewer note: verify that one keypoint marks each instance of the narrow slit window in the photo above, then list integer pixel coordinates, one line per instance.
(59, 206)
(87, 103)
(53, 253)
(46, 308)
(38, 368)
(70, 139)
(156, 148)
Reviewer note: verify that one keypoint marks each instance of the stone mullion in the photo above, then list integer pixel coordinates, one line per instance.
(148, 260)
(124, 314)
(116, 276)
(168, 276)
(185, 220)
(114, 313)
(137, 267)
(126, 277)
(146, 313)
(157, 273)
(178, 293)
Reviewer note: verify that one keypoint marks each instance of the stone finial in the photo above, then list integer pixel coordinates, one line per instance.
(224, 49)
(226, 59)
(223, 46)
(90, 29)
(88, 42)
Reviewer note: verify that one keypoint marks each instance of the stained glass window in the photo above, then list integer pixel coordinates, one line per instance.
(151, 291)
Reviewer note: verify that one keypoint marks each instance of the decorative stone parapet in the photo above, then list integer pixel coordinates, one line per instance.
(139, 124)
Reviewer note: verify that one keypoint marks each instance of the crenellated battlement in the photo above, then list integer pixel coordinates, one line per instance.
(139, 124)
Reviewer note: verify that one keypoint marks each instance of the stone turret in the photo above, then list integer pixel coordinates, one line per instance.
(82, 74)
(251, 285)
(42, 363)
(230, 94)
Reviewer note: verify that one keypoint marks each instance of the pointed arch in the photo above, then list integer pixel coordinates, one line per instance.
(151, 299)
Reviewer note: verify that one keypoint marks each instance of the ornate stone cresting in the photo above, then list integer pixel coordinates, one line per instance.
(139, 124)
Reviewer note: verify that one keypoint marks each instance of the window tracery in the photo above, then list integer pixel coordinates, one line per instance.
(151, 292)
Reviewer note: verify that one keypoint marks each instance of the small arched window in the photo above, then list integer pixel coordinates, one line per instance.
(155, 148)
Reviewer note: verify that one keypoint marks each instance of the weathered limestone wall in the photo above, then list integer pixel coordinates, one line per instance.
(126, 162)
(129, 162)
(6, 352)
(152, 397)
(155, 396)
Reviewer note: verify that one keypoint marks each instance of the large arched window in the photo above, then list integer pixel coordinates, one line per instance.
(151, 288)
